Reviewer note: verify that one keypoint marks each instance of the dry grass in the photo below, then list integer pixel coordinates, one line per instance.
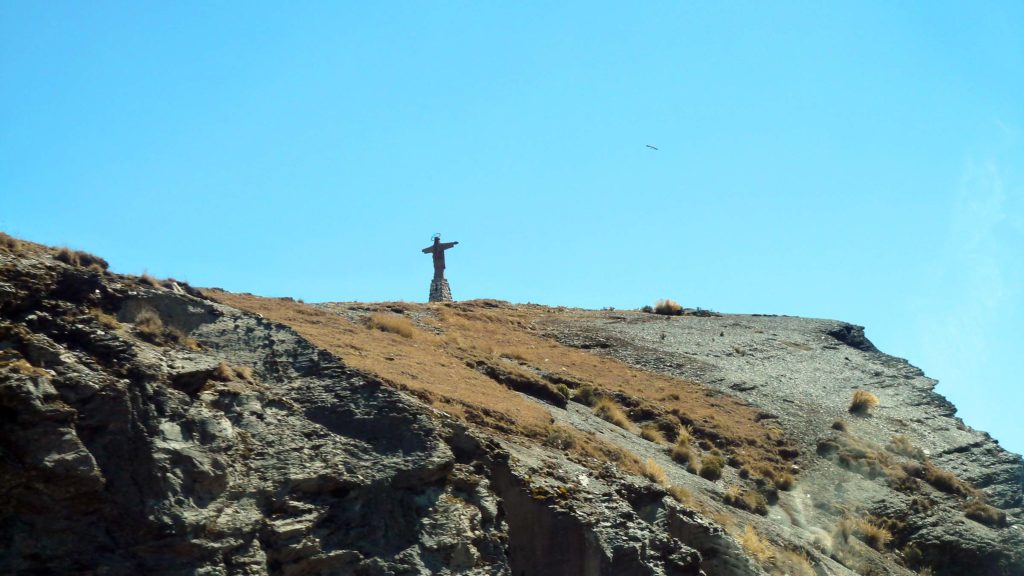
(104, 319)
(682, 495)
(10, 243)
(900, 444)
(441, 369)
(755, 546)
(749, 500)
(862, 402)
(654, 472)
(946, 481)
(652, 434)
(149, 325)
(988, 515)
(711, 467)
(561, 437)
(223, 372)
(685, 455)
(80, 258)
(392, 323)
(839, 425)
(865, 531)
(149, 280)
(668, 307)
(607, 409)
(792, 563)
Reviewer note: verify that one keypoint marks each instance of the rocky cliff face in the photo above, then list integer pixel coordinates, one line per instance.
(146, 428)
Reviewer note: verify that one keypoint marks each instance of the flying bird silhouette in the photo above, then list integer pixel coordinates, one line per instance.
(651, 147)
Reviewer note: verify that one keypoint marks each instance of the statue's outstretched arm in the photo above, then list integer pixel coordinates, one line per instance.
(428, 249)
(447, 245)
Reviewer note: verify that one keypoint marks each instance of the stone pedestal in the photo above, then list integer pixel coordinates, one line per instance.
(439, 290)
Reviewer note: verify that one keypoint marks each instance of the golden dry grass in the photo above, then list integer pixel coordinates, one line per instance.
(862, 402)
(439, 366)
(865, 531)
(390, 322)
(749, 500)
(981, 512)
(711, 467)
(652, 434)
(654, 472)
(607, 409)
(755, 546)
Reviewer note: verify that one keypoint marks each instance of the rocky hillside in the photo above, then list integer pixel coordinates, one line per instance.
(148, 427)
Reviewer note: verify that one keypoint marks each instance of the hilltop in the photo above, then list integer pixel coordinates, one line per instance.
(146, 425)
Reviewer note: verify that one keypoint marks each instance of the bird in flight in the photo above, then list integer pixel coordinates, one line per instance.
(651, 147)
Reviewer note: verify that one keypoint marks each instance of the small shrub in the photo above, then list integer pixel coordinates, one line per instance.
(648, 309)
(711, 467)
(391, 323)
(564, 391)
(80, 258)
(607, 409)
(560, 437)
(839, 425)
(683, 454)
(654, 472)
(862, 402)
(755, 546)
(749, 500)
(652, 434)
(587, 395)
(988, 515)
(149, 325)
(668, 307)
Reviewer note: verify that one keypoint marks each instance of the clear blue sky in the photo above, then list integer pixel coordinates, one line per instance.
(856, 161)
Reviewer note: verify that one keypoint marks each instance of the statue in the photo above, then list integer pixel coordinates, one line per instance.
(439, 290)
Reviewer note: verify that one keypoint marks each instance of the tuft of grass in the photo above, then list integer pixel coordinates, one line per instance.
(711, 467)
(900, 444)
(10, 243)
(607, 409)
(862, 402)
(684, 436)
(149, 280)
(560, 437)
(684, 454)
(244, 372)
(755, 546)
(839, 425)
(945, 480)
(652, 434)
(749, 500)
(988, 515)
(865, 531)
(391, 323)
(668, 307)
(681, 495)
(654, 472)
(223, 373)
(105, 320)
(80, 258)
